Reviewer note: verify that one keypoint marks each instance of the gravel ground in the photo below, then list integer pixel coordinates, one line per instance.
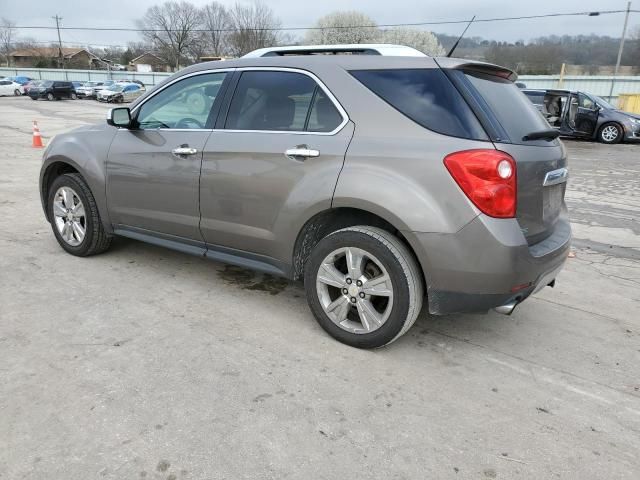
(147, 363)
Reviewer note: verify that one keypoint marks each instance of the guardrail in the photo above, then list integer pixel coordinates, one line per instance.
(148, 78)
(595, 84)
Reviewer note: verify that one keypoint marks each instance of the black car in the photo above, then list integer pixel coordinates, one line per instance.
(583, 115)
(53, 90)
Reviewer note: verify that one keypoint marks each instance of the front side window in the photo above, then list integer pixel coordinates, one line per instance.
(186, 104)
(586, 102)
(281, 101)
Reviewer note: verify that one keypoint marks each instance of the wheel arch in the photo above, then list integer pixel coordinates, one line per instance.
(57, 165)
(333, 219)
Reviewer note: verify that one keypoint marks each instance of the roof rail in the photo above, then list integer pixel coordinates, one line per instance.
(350, 49)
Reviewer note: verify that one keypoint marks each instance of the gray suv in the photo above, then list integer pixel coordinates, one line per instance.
(382, 182)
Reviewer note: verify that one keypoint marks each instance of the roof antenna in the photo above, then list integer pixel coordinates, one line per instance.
(460, 37)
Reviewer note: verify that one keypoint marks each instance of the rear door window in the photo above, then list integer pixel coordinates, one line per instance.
(281, 101)
(427, 97)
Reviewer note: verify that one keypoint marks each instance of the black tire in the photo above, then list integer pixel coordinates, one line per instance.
(96, 239)
(17, 92)
(34, 98)
(604, 133)
(402, 267)
(50, 97)
(74, 96)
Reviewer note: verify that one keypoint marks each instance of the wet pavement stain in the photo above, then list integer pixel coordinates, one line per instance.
(249, 280)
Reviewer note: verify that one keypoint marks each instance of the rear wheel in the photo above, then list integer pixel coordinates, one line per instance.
(363, 286)
(610, 133)
(74, 217)
(73, 96)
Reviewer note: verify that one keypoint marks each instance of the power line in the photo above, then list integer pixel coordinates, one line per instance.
(387, 25)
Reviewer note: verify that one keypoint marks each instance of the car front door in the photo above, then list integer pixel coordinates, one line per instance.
(586, 116)
(153, 169)
(5, 87)
(275, 155)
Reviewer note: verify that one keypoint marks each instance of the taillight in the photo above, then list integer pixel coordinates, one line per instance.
(488, 178)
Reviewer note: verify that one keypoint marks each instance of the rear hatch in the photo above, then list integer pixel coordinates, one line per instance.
(509, 118)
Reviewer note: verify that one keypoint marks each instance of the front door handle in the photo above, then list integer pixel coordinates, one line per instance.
(301, 152)
(184, 150)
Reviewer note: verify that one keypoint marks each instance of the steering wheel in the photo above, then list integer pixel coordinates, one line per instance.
(188, 122)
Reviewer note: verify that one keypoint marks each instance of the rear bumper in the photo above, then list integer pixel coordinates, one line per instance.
(488, 263)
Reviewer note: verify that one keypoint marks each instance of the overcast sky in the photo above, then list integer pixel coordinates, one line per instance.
(122, 13)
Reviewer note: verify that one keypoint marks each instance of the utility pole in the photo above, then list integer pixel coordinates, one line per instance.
(60, 55)
(624, 34)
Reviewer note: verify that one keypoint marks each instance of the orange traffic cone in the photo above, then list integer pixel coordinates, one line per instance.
(37, 138)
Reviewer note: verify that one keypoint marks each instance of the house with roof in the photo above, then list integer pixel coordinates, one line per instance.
(149, 62)
(49, 57)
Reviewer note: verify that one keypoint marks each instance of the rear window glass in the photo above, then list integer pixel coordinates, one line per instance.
(511, 108)
(427, 97)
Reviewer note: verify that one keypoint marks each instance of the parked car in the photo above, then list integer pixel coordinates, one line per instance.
(119, 93)
(77, 85)
(9, 87)
(31, 84)
(20, 79)
(89, 89)
(583, 115)
(371, 178)
(53, 90)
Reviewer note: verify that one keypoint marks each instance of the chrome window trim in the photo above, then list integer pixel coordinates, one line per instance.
(325, 89)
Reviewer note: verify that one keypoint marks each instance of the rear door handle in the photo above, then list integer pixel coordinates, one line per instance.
(301, 152)
(183, 150)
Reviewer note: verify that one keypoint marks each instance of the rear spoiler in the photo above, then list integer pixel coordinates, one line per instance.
(479, 67)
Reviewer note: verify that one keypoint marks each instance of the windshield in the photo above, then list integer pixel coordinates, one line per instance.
(603, 103)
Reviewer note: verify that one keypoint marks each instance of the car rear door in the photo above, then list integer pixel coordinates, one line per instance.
(153, 170)
(275, 155)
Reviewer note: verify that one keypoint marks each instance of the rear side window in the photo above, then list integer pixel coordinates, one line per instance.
(515, 114)
(427, 97)
(281, 101)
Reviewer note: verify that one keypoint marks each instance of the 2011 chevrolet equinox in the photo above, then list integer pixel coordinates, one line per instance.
(383, 182)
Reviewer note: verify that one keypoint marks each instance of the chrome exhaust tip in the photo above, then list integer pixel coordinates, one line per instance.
(507, 308)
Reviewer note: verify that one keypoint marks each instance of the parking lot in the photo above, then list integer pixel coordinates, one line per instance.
(148, 363)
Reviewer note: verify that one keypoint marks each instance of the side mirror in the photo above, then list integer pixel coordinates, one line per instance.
(119, 117)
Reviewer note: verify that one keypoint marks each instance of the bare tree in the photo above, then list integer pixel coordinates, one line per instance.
(170, 28)
(343, 27)
(217, 22)
(253, 26)
(7, 31)
(421, 40)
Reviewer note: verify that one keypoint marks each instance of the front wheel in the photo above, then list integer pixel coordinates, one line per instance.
(17, 92)
(363, 286)
(74, 216)
(610, 133)
(74, 96)
(50, 97)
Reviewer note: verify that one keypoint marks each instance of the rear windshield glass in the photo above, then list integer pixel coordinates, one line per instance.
(427, 97)
(511, 108)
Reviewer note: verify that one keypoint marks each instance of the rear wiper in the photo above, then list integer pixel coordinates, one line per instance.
(549, 134)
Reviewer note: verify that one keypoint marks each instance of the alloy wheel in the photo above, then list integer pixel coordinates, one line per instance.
(355, 290)
(609, 133)
(69, 216)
